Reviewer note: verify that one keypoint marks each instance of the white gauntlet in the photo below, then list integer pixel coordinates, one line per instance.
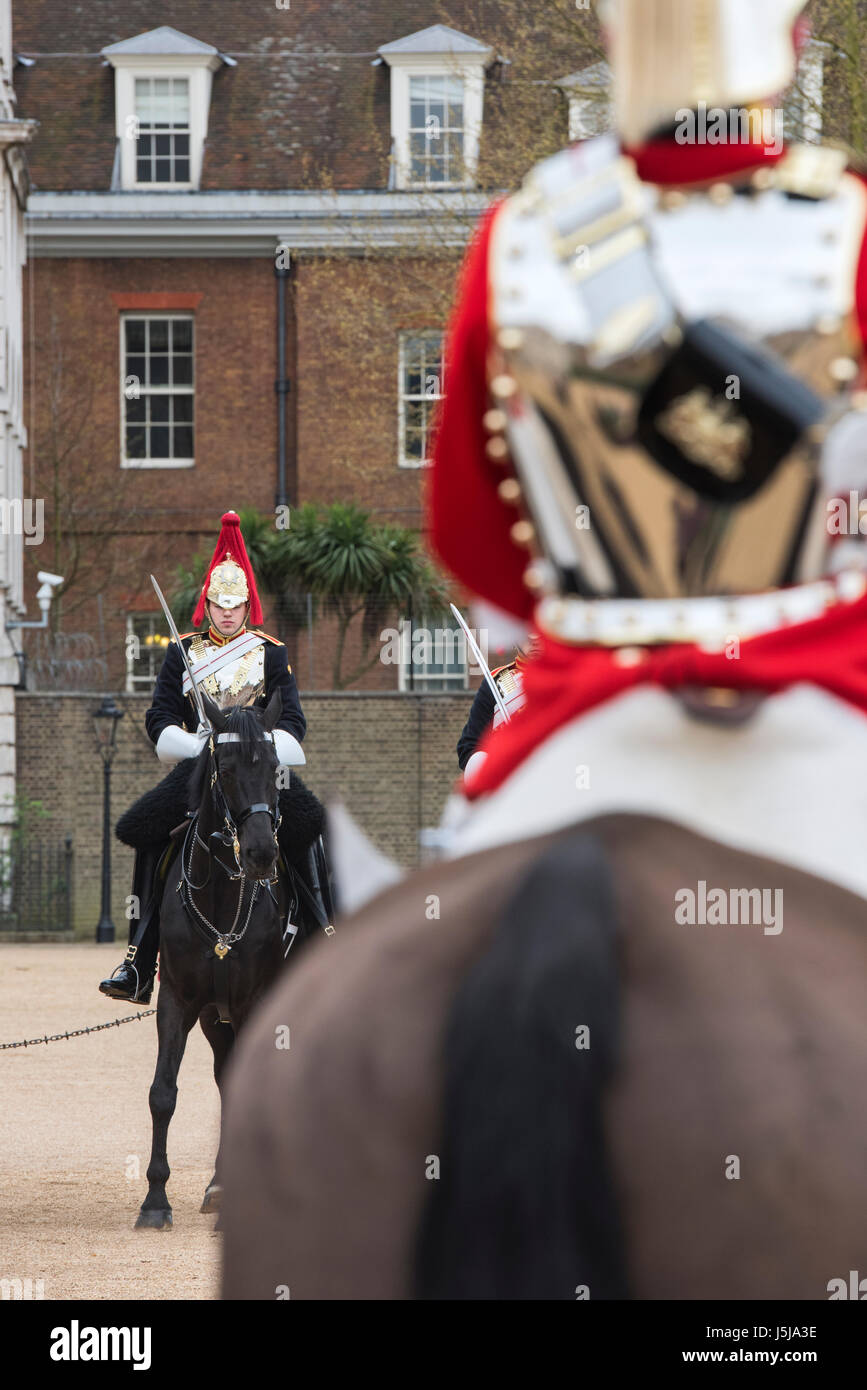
(174, 744)
(474, 765)
(288, 749)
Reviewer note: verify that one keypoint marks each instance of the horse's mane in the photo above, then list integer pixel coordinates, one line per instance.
(242, 720)
(527, 1206)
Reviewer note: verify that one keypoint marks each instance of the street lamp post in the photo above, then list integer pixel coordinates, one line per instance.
(105, 722)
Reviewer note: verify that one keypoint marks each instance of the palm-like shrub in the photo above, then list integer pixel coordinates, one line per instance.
(352, 566)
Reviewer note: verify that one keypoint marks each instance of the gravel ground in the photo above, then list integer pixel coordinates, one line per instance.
(75, 1135)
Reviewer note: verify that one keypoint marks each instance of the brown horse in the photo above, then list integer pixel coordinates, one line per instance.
(519, 1075)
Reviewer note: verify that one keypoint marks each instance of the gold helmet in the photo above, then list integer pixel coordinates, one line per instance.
(228, 586)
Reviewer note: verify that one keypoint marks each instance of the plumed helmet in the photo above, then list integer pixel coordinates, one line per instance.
(671, 55)
(228, 586)
(230, 578)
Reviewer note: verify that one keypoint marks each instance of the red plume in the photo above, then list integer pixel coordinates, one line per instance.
(231, 542)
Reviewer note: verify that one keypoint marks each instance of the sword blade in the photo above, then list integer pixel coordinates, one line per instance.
(197, 695)
(482, 664)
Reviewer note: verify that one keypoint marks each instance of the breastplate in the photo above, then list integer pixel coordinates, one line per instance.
(510, 683)
(238, 682)
(669, 364)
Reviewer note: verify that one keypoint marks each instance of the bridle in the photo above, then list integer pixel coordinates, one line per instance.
(227, 835)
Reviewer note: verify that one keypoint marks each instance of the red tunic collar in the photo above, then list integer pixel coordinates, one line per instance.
(666, 162)
(220, 641)
(562, 682)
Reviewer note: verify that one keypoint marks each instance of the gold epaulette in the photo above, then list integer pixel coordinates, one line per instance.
(268, 638)
(509, 666)
(182, 635)
(811, 171)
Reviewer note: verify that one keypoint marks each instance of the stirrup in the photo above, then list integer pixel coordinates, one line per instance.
(143, 991)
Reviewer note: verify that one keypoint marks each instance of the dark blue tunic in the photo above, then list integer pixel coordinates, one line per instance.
(480, 720)
(171, 706)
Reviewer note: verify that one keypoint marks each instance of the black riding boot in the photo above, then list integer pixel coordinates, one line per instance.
(318, 881)
(133, 980)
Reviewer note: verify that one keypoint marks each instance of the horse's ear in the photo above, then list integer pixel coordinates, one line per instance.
(272, 711)
(213, 711)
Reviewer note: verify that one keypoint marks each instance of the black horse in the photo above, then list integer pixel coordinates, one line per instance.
(221, 941)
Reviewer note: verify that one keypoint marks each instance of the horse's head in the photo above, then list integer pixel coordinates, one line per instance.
(247, 764)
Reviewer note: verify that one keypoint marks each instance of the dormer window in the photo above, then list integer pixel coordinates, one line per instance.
(437, 94)
(162, 102)
(589, 95)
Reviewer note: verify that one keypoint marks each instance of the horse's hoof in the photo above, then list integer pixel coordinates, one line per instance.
(154, 1220)
(212, 1199)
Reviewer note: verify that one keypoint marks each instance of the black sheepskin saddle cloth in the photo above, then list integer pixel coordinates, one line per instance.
(150, 820)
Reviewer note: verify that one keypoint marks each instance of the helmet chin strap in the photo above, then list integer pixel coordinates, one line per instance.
(214, 620)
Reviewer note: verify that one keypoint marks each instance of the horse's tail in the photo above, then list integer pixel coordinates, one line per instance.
(524, 1206)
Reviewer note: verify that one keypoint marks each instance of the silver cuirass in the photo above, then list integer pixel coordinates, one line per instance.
(232, 673)
(669, 364)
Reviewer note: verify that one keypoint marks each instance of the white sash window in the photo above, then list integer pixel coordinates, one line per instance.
(146, 643)
(157, 390)
(436, 130)
(420, 387)
(434, 657)
(162, 108)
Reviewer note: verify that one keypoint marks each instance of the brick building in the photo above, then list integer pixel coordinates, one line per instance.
(20, 520)
(233, 198)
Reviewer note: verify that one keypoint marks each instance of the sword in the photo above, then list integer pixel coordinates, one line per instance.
(482, 664)
(197, 695)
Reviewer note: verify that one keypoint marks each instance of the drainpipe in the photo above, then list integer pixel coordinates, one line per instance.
(282, 271)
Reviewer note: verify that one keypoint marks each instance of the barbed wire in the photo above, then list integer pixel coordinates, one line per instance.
(79, 1032)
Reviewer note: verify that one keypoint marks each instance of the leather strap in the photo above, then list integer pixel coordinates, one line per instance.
(221, 986)
(309, 898)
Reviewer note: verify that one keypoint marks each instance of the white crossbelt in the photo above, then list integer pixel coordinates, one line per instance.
(221, 657)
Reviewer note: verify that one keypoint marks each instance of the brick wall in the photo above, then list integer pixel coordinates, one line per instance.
(349, 315)
(390, 756)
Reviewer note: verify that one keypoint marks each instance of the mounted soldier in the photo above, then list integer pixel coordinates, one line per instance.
(491, 711)
(236, 664)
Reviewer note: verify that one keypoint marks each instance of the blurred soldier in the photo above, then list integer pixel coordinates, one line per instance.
(557, 1048)
(485, 713)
